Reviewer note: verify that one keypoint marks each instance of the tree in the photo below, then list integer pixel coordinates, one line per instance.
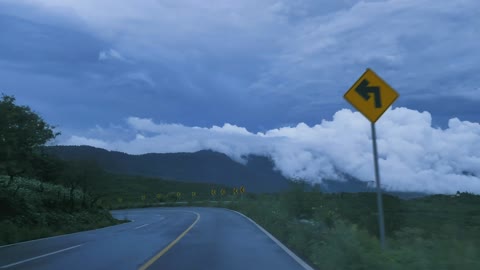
(22, 133)
(47, 168)
(91, 173)
(83, 175)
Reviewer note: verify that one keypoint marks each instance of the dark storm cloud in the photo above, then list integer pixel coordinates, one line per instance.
(262, 64)
(256, 76)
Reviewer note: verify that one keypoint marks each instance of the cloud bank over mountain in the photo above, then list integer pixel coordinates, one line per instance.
(414, 155)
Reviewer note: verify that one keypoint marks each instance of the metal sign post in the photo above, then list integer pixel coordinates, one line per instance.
(372, 96)
(381, 222)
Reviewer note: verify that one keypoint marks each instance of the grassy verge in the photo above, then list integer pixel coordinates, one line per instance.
(30, 209)
(339, 231)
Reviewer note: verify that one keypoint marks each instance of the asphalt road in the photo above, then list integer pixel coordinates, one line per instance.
(159, 238)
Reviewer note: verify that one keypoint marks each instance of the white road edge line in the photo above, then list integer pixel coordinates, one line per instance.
(144, 225)
(288, 251)
(38, 257)
(63, 235)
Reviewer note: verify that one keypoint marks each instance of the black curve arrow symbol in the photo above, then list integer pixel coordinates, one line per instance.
(364, 91)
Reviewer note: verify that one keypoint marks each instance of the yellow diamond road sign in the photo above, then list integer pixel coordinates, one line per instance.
(371, 95)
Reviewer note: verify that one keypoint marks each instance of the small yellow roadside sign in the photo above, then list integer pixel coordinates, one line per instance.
(371, 95)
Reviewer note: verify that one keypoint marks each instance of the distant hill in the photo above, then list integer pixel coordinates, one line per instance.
(200, 167)
(257, 175)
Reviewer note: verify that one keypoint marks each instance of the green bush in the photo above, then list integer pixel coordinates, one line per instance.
(345, 246)
(31, 209)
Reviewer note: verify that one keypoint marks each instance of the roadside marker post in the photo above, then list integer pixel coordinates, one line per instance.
(213, 192)
(372, 96)
(242, 190)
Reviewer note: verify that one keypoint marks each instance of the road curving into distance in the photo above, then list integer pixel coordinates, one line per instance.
(179, 238)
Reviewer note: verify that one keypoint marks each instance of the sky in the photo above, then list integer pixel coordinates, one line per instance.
(256, 76)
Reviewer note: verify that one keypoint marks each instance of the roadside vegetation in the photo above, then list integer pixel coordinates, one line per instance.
(339, 231)
(126, 191)
(31, 209)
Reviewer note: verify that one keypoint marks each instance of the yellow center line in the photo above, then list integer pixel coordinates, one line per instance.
(167, 248)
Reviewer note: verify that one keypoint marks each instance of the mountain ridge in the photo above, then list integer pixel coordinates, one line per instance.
(257, 175)
(204, 166)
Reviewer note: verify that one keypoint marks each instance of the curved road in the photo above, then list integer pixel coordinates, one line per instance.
(159, 238)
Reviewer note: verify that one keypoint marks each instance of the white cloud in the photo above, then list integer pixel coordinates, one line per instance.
(79, 140)
(111, 54)
(414, 156)
(141, 77)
